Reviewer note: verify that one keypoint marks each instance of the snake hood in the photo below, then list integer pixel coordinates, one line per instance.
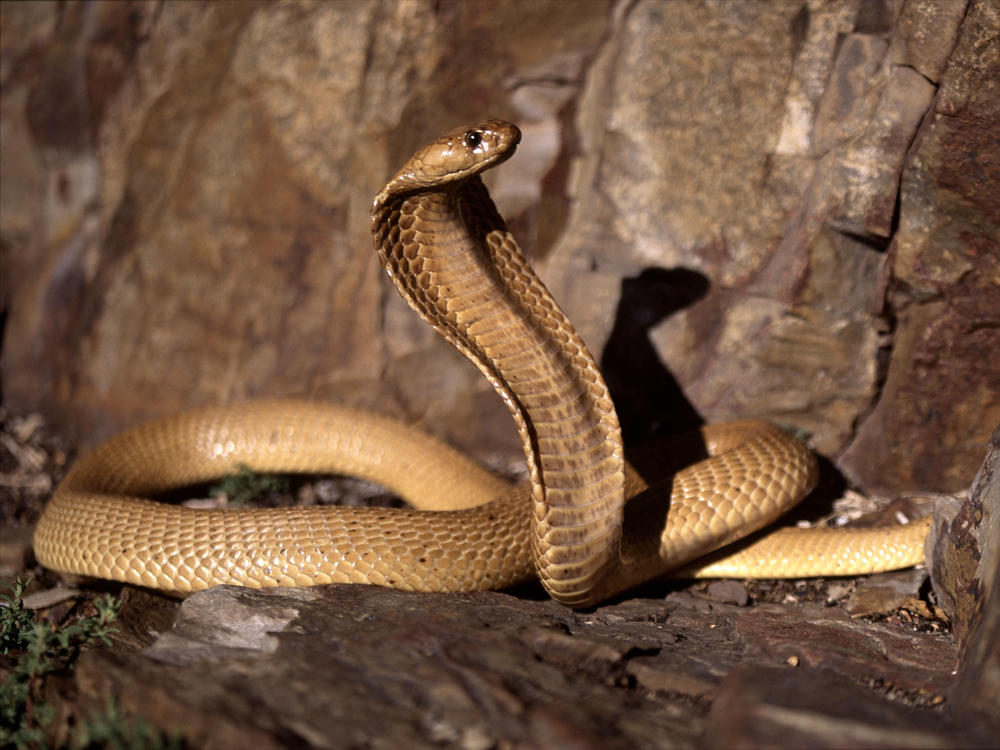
(454, 157)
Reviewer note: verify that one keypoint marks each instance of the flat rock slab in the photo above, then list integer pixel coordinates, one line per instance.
(357, 666)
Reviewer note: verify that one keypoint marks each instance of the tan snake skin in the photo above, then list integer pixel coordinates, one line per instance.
(449, 253)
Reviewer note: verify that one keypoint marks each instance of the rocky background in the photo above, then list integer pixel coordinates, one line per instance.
(788, 210)
(186, 191)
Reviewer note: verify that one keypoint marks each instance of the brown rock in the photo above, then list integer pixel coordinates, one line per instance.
(888, 592)
(926, 34)
(216, 246)
(357, 665)
(965, 558)
(782, 708)
(941, 397)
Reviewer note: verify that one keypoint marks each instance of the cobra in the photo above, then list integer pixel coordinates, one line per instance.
(587, 525)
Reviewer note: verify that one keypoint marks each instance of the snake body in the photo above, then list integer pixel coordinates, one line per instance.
(587, 526)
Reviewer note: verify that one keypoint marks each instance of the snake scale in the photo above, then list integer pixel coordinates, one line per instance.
(587, 526)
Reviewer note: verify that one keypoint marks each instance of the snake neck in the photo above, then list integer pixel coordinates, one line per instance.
(451, 257)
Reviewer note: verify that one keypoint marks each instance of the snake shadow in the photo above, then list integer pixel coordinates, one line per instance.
(659, 424)
(647, 397)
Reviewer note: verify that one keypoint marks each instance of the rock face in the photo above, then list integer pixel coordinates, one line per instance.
(945, 287)
(355, 666)
(186, 191)
(964, 566)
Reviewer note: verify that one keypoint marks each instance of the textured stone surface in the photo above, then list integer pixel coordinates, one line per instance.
(964, 567)
(944, 285)
(357, 666)
(186, 188)
(215, 245)
(927, 35)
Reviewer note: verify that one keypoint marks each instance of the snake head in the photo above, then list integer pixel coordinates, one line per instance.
(454, 157)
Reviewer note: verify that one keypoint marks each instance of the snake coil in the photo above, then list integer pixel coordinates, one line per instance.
(587, 526)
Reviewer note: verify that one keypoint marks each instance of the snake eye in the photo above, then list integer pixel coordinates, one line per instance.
(473, 138)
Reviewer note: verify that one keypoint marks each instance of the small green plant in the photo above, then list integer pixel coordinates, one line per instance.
(16, 623)
(247, 485)
(41, 649)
